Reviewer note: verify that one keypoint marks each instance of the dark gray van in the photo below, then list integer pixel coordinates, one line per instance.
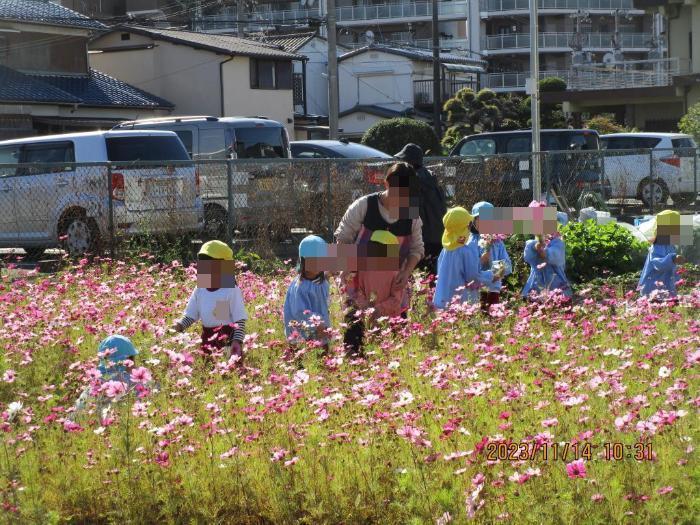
(572, 165)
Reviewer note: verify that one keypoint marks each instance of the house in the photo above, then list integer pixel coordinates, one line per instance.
(202, 74)
(46, 83)
(651, 94)
(379, 81)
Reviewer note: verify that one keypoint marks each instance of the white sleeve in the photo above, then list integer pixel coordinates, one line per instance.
(351, 223)
(236, 305)
(192, 308)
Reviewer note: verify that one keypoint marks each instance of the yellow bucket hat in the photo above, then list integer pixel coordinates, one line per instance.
(456, 222)
(384, 237)
(667, 218)
(217, 250)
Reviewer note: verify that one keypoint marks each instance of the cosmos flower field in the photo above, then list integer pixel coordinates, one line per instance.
(535, 414)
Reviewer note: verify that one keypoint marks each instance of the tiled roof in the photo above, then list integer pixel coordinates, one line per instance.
(230, 45)
(415, 54)
(379, 111)
(45, 12)
(96, 90)
(290, 43)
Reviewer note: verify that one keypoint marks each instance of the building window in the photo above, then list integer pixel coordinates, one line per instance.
(270, 74)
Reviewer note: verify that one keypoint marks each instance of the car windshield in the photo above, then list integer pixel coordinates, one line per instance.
(358, 151)
(145, 148)
(261, 143)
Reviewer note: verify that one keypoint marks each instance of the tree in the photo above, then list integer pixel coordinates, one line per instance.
(690, 123)
(391, 135)
(605, 123)
(552, 84)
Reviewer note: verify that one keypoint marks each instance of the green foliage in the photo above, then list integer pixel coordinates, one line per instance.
(551, 84)
(391, 135)
(594, 250)
(486, 96)
(604, 124)
(690, 123)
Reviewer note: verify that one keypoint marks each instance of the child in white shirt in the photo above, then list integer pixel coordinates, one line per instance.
(217, 302)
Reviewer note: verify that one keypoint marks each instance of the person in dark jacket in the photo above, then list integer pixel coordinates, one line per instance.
(433, 206)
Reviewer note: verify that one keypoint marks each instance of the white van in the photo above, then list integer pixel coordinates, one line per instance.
(223, 137)
(50, 197)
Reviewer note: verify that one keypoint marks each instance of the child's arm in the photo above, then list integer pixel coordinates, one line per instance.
(238, 312)
(664, 263)
(501, 254)
(530, 254)
(191, 314)
(556, 253)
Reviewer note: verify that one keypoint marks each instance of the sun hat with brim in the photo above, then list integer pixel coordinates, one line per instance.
(456, 222)
(217, 250)
(411, 153)
(313, 246)
(384, 237)
(666, 218)
(483, 205)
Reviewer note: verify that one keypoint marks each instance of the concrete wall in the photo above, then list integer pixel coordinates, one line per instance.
(316, 75)
(241, 100)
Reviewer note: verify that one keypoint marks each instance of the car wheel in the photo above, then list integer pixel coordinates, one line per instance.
(34, 253)
(215, 222)
(652, 191)
(79, 234)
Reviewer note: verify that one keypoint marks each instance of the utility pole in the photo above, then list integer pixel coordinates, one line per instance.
(534, 91)
(332, 73)
(437, 92)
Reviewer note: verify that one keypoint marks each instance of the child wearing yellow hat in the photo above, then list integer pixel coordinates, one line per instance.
(375, 286)
(659, 273)
(459, 266)
(217, 302)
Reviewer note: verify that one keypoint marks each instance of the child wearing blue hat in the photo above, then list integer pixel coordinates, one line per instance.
(306, 313)
(547, 260)
(492, 255)
(117, 355)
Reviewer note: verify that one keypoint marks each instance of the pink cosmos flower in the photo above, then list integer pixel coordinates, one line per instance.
(596, 498)
(141, 375)
(664, 490)
(229, 453)
(113, 389)
(576, 469)
(550, 422)
(9, 376)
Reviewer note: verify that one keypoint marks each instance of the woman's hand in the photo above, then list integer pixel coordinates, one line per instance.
(486, 257)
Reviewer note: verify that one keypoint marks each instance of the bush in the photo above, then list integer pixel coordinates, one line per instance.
(594, 250)
(604, 124)
(552, 84)
(391, 135)
(690, 123)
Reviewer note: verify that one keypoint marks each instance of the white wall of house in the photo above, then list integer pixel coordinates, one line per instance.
(357, 123)
(241, 100)
(376, 78)
(190, 78)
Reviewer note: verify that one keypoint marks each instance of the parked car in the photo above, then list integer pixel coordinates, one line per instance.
(571, 173)
(650, 166)
(334, 149)
(223, 138)
(59, 201)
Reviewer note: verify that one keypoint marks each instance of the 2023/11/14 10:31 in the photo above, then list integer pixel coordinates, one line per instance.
(565, 451)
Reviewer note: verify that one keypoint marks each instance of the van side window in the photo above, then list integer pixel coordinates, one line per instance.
(478, 147)
(8, 155)
(49, 152)
(186, 138)
(518, 145)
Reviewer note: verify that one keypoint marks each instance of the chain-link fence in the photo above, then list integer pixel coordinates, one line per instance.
(263, 203)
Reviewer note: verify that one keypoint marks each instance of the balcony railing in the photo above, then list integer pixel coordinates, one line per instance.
(423, 90)
(566, 41)
(403, 10)
(523, 5)
(451, 44)
(625, 75)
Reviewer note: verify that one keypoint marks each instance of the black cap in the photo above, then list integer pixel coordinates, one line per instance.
(411, 153)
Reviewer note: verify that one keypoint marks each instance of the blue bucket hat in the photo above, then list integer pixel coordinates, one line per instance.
(480, 206)
(313, 246)
(122, 348)
(562, 218)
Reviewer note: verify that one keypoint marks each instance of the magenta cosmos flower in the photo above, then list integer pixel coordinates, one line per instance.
(576, 469)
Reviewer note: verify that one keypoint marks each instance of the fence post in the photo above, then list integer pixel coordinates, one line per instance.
(695, 177)
(110, 211)
(651, 180)
(547, 175)
(601, 178)
(329, 200)
(229, 202)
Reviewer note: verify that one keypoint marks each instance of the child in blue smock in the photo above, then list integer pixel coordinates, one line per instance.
(659, 272)
(306, 314)
(491, 249)
(458, 263)
(547, 259)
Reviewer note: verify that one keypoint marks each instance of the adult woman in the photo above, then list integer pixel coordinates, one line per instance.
(394, 210)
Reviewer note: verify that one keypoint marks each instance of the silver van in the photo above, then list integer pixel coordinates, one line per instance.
(222, 138)
(54, 190)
